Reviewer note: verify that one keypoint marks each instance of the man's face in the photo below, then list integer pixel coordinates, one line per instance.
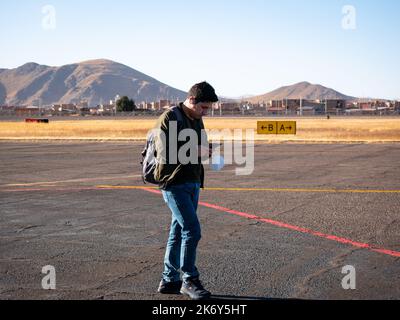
(199, 109)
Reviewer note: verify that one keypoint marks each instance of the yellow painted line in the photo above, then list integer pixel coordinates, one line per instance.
(305, 190)
(266, 189)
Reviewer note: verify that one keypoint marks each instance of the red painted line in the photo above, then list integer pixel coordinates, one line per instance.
(241, 214)
(295, 228)
(151, 190)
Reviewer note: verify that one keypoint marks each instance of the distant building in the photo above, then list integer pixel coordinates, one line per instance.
(84, 111)
(353, 112)
(313, 107)
(83, 108)
(164, 104)
(275, 104)
(335, 106)
(106, 109)
(307, 111)
(142, 105)
(94, 111)
(64, 109)
(146, 105)
(276, 110)
(155, 105)
(365, 106)
(27, 111)
(8, 110)
(292, 105)
(230, 106)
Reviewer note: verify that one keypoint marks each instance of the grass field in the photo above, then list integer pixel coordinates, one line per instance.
(353, 129)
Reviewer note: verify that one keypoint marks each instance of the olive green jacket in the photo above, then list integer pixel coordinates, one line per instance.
(169, 171)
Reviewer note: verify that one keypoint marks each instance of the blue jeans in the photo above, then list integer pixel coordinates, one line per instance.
(185, 231)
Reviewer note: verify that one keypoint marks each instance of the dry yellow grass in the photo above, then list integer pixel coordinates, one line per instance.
(308, 129)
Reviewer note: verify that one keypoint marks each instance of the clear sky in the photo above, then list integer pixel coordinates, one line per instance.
(240, 47)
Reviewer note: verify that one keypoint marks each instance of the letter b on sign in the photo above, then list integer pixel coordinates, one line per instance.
(49, 281)
(349, 281)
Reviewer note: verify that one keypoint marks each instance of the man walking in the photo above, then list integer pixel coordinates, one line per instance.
(180, 185)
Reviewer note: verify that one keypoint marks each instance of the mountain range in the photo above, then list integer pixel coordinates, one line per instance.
(95, 81)
(301, 90)
(100, 80)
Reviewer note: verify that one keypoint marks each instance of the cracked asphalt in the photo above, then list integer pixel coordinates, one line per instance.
(108, 243)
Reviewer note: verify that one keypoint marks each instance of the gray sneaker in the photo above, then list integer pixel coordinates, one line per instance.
(194, 289)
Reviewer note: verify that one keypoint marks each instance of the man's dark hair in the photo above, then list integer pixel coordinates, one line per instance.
(203, 92)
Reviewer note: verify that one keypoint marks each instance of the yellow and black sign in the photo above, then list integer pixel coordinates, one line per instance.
(276, 127)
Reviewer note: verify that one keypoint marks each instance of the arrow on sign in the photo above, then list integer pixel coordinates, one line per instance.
(269, 128)
(284, 128)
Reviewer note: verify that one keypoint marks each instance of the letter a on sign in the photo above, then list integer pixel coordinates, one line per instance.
(287, 127)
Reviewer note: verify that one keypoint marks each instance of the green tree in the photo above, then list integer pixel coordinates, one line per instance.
(125, 104)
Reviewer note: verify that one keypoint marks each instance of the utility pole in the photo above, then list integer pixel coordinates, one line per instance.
(286, 107)
(326, 106)
(301, 106)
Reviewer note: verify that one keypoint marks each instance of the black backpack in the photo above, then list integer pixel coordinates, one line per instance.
(149, 153)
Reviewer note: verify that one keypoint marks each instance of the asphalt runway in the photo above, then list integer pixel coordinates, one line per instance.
(285, 231)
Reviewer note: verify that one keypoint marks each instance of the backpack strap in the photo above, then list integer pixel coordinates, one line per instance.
(179, 117)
